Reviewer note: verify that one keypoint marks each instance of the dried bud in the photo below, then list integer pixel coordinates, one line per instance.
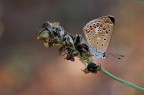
(92, 68)
(44, 34)
(78, 39)
(45, 25)
(67, 40)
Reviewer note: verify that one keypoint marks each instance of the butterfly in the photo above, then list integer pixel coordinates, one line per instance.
(98, 33)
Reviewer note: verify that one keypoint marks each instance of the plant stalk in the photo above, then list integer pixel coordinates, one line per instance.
(122, 81)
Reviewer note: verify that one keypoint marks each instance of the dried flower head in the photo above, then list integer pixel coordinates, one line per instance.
(51, 33)
(71, 46)
(92, 67)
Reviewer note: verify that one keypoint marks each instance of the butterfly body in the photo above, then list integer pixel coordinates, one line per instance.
(98, 34)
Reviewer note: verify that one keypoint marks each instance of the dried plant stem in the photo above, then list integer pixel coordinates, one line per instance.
(121, 81)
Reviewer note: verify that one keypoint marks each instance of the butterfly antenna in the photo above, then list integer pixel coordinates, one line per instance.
(115, 55)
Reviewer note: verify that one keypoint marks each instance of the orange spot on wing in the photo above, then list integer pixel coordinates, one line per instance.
(101, 25)
(97, 24)
(106, 21)
(91, 28)
(87, 31)
(104, 28)
(110, 22)
(94, 25)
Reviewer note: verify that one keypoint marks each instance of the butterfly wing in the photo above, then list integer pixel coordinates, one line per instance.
(98, 33)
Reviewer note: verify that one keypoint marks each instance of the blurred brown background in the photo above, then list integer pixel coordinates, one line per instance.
(28, 68)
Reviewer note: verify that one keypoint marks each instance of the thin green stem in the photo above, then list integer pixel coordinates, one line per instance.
(122, 81)
(83, 56)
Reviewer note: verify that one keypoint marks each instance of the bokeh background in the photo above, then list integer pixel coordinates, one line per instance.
(28, 68)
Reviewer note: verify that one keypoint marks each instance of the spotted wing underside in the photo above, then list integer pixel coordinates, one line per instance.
(98, 33)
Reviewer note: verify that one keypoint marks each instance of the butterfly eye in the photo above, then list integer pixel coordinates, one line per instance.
(104, 39)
